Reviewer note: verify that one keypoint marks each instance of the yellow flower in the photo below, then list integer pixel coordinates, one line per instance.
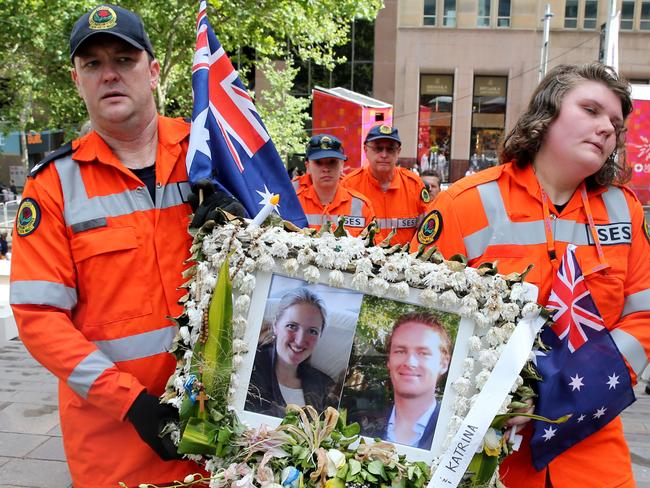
(334, 483)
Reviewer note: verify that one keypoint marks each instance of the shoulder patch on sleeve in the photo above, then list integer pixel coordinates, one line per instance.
(430, 229)
(28, 217)
(56, 154)
(424, 194)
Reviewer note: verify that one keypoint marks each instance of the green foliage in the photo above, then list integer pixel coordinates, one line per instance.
(35, 65)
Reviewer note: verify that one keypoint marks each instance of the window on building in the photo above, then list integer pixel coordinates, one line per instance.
(483, 18)
(591, 14)
(645, 16)
(434, 123)
(488, 120)
(627, 15)
(571, 14)
(503, 19)
(429, 12)
(449, 13)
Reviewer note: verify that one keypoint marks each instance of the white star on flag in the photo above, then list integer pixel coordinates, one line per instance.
(581, 418)
(600, 412)
(613, 381)
(200, 142)
(549, 433)
(266, 198)
(576, 382)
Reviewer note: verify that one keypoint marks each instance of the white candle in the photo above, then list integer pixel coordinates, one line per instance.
(265, 212)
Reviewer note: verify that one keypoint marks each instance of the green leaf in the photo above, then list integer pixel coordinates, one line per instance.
(198, 437)
(355, 466)
(377, 468)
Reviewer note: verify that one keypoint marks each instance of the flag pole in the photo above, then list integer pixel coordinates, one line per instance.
(547, 26)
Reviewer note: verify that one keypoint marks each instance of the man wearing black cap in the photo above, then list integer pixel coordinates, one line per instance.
(320, 193)
(398, 195)
(100, 240)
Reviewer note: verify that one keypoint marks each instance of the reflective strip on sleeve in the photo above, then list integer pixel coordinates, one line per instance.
(398, 223)
(295, 184)
(87, 371)
(637, 302)
(356, 207)
(616, 205)
(172, 194)
(129, 348)
(138, 346)
(631, 349)
(79, 208)
(36, 292)
(316, 219)
(503, 231)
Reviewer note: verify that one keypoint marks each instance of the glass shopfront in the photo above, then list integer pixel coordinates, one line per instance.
(488, 120)
(434, 123)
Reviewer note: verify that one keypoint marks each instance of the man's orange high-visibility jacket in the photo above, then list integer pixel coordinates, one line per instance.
(355, 207)
(402, 206)
(497, 215)
(96, 268)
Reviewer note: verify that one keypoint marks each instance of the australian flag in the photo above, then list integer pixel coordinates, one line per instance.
(583, 374)
(228, 141)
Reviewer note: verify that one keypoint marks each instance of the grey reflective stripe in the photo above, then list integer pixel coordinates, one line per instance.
(631, 349)
(172, 194)
(400, 223)
(89, 224)
(295, 184)
(316, 219)
(637, 302)
(138, 346)
(356, 207)
(79, 208)
(616, 205)
(502, 231)
(36, 292)
(87, 371)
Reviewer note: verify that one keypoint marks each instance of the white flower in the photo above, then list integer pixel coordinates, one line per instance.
(279, 250)
(468, 305)
(481, 379)
(325, 257)
(312, 274)
(389, 271)
(449, 299)
(377, 255)
(188, 479)
(429, 296)
(305, 256)
(468, 367)
(400, 290)
(379, 286)
(461, 385)
(504, 406)
(488, 358)
(530, 310)
(492, 440)
(364, 265)
(185, 334)
(335, 460)
(481, 320)
(291, 266)
(360, 281)
(266, 262)
(518, 382)
(474, 343)
(336, 278)
(247, 284)
(241, 304)
(461, 405)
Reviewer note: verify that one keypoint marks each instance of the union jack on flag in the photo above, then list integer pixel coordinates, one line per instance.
(583, 374)
(574, 308)
(229, 143)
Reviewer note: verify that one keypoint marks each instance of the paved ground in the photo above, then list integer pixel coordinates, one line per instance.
(31, 453)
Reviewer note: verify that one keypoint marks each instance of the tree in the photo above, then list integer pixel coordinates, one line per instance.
(35, 62)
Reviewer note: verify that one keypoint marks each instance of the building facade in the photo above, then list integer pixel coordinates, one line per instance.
(460, 72)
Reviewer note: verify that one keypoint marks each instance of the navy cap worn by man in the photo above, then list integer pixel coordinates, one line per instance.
(324, 146)
(113, 20)
(383, 132)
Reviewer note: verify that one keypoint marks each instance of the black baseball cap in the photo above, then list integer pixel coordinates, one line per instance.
(325, 146)
(114, 20)
(383, 132)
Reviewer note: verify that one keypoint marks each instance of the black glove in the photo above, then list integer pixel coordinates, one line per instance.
(149, 417)
(212, 200)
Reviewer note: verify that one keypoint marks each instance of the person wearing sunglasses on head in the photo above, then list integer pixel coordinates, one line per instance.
(320, 193)
(397, 194)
